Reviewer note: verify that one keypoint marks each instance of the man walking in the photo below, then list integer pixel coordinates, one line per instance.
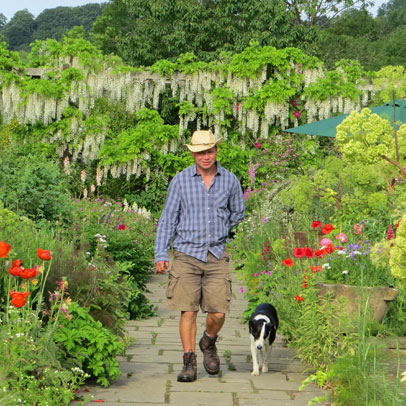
(203, 204)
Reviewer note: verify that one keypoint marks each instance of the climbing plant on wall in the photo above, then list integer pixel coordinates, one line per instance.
(252, 94)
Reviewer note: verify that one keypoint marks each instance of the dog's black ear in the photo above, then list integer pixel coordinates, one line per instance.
(250, 327)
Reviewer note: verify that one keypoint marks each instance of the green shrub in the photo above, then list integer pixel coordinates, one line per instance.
(32, 186)
(31, 374)
(85, 342)
(95, 282)
(125, 236)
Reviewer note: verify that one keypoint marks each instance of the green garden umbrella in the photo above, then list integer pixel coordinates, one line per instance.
(327, 127)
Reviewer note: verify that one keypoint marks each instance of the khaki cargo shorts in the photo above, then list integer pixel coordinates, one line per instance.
(193, 283)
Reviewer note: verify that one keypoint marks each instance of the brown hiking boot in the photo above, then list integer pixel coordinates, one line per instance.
(189, 370)
(211, 360)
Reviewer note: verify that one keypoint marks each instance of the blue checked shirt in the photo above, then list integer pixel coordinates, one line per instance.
(198, 219)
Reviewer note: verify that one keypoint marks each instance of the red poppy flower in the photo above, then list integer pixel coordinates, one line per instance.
(298, 298)
(320, 253)
(45, 255)
(18, 299)
(316, 224)
(288, 262)
(330, 249)
(309, 252)
(121, 226)
(29, 273)
(4, 249)
(327, 229)
(316, 268)
(397, 224)
(16, 262)
(15, 270)
(299, 252)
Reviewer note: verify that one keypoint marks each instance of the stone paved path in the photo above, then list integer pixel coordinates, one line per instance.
(151, 366)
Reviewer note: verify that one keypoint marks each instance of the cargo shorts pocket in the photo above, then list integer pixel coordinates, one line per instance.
(229, 290)
(170, 287)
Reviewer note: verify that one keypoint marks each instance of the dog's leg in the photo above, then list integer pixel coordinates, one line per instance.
(255, 366)
(266, 357)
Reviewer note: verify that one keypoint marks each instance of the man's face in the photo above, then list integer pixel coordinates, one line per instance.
(205, 159)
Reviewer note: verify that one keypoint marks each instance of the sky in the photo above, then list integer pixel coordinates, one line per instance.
(35, 7)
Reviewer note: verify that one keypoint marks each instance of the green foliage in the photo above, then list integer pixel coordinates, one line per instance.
(254, 58)
(54, 22)
(341, 81)
(358, 381)
(28, 353)
(235, 159)
(10, 222)
(277, 92)
(91, 345)
(9, 60)
(222, 99)
(391, 79)
(164, 67)
(150, 133)
(95, 281)
(365, 137)
(32, 185)
(397, 260)
(31, 374)
(356, 186)
(187, 108)
(18, 32)
(144, 32)
(124, 237)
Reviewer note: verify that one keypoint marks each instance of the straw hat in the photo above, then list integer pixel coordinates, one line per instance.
(202, 140)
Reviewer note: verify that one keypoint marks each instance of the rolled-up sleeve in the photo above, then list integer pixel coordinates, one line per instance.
(167, 222)
(236, 204)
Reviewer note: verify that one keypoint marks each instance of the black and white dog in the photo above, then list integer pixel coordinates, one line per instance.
(263, 324)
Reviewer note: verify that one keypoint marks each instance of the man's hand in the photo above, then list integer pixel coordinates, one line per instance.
(161, 267)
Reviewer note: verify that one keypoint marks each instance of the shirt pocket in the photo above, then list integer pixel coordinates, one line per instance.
(221, 200)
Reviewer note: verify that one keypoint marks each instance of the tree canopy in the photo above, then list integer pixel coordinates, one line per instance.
(53, 22)
(18, 32)
(143, 31)
(23, 28)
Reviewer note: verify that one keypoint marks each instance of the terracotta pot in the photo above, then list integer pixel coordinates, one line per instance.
(356, 299)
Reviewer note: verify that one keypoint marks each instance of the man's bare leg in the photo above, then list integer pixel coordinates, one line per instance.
(214, 323)
(187, 330)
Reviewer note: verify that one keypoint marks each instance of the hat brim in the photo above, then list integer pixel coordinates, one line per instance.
(201, 147)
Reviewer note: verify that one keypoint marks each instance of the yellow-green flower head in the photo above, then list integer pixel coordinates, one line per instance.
(397, 259)
(364, 137)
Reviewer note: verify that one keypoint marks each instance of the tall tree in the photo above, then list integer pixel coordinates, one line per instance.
(143, 31)
(393, 14)
(19, 30)
(3, 21)
(53, 22)
(314, 12)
